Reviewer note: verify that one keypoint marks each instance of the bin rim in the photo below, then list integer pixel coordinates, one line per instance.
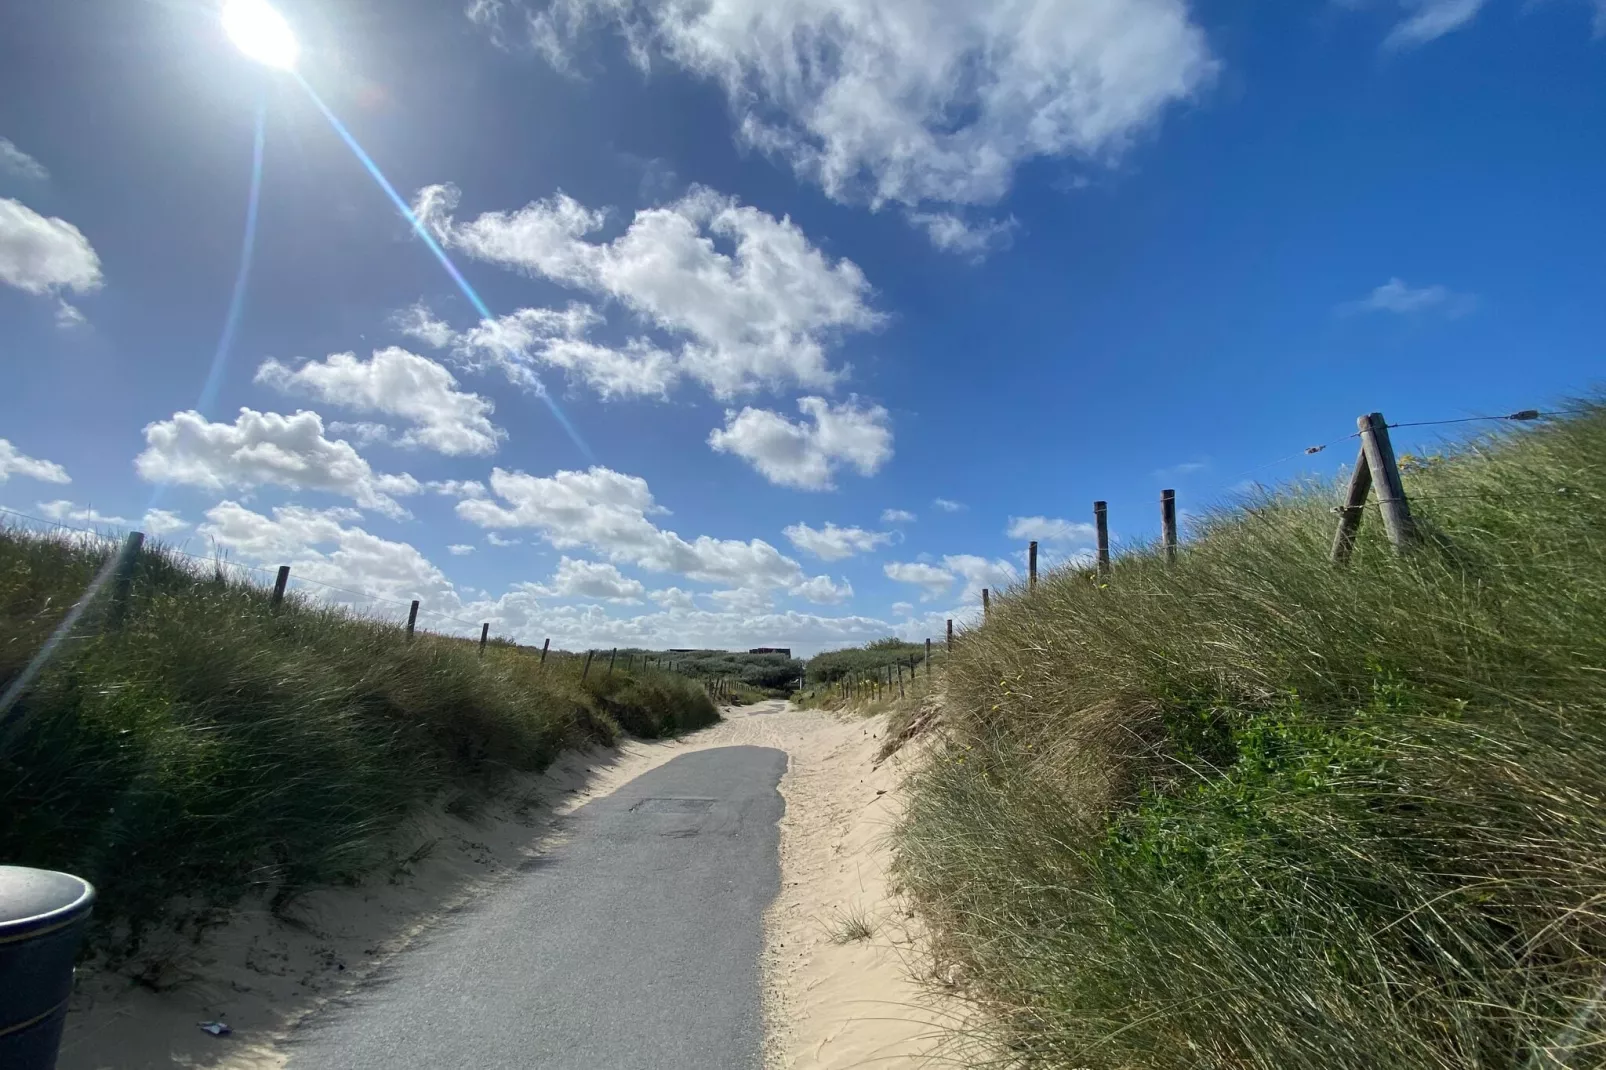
(40, 919)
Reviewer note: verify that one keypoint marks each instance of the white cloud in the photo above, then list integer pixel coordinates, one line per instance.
(458, 488)
(40, 255)
(324, 546)
(417, 321)
(1186, 468)
(897, 516)
(592, 579)
(155, 523)
(954, 234)
(674, 598)
(396, 383)
(1051, 529)
(822, 590)
(806, 455)
(759, 316)
(1397, 297)
(907, 101)
(363, 433)
(265, 449)
(159, 522)
(1431, 19)
(948, 505)
(742, 600)
(68, 317)
(902, 609)
(459, 549)
(501, 540)
(63, 511)
(978, 572)
(530, 336)
(318, 545)
(13, 462)
(832, 543)
(18, 164)
(607, 512)
(932, 581)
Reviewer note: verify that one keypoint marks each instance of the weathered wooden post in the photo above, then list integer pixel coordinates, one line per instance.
(900, 680)
(986, 604)
(587, 669)
(1354, 507)
(950, 636)
(1031, 566)
(412, 620)
(279, 583)
(485, 635)
(1374, 465)
(1168, 523)
(1101, 519)
(928, 656)
(611, 659)
(544, 646)
(123, 581)
(1386, 477)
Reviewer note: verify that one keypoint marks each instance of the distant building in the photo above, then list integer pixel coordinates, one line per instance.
(786, 650)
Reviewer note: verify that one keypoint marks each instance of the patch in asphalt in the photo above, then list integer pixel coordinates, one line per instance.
(674, 806)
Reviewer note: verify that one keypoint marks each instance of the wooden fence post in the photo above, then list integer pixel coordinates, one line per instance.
(1386, 476)
(928, 657)
(123, 581)
(586, 671)
(544, 649)
(412, 619)
(986, 604)
(1101, 518)
(950, 635)
(1168, 523)
(1031, 566)
(1354, 507)
(485, 635)
(900, 681)
(279, 584)
(611, 659)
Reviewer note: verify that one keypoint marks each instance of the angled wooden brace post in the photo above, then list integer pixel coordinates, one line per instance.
(1374, 464)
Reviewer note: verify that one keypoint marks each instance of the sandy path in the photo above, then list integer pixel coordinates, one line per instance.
(827, 1003)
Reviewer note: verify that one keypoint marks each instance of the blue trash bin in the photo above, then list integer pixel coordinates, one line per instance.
(42, 918)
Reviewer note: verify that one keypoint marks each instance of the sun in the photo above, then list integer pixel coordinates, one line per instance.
(260, 32)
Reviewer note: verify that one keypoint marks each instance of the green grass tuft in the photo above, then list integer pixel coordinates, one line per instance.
(1253, 810)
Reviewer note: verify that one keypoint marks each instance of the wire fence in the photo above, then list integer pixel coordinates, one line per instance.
(1375, 485)
(370, 605)
(122, 551)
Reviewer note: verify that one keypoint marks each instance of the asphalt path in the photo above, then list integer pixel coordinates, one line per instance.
(632, 945)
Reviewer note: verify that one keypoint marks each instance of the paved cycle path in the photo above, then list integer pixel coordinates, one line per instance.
(632, 945)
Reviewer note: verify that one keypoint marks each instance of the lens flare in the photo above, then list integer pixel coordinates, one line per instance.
(434, 247)
(260, 32)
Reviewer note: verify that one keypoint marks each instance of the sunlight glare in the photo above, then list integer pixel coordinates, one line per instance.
(260, 32)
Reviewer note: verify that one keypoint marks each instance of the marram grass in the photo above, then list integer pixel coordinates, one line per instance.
(206, 746)
(1252, 810)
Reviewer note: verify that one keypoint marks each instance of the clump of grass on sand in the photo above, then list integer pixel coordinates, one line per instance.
(1254, 810)
(205, 746)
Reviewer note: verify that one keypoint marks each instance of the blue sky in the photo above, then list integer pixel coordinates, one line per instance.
(841, 301)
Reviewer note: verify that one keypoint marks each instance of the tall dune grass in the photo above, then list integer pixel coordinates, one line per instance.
(205, 745)
(1254, 810)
